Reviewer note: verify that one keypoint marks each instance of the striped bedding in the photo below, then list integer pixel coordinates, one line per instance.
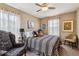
(44, 45)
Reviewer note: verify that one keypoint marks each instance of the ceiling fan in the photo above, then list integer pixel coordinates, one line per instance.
(44, 7)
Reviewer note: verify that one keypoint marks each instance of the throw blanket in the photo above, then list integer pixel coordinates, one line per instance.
(44, 45)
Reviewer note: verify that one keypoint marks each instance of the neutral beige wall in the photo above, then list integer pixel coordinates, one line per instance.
(67, 16)
(24, 16)
(62, 17)
(78, 22)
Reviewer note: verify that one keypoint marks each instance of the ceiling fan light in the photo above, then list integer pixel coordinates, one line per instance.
(44, 8)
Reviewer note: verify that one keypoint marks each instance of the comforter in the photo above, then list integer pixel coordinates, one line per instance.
(44, 45)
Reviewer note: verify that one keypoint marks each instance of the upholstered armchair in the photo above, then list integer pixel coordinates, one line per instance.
(8, 46)
(72, 39)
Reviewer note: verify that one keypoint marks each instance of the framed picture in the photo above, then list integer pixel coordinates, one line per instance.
(30, 24)
(43, 26)
(68, 26)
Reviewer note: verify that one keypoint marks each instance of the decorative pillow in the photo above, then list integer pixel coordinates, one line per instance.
(5, 43)
(12, 38)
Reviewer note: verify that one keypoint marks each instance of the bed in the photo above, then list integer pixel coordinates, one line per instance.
(46, 45)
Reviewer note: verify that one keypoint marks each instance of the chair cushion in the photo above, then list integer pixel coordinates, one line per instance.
(12, 38)
(5, 43)
(71, 37)
(70, 40)
(15, 51)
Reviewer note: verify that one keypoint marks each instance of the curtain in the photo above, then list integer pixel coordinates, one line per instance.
(53, 27)
(9, 22)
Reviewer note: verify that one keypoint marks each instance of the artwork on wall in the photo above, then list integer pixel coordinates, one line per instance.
(68, 26)
(30, 24)
(43, 26)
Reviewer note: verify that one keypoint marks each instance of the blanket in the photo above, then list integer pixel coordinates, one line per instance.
(44, 45)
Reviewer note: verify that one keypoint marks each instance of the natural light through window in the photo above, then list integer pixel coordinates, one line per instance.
(53, 27)
(9, 22)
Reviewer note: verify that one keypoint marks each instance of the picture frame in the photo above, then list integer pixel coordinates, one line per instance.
(68, 26)
(30, 24)
(43, 26)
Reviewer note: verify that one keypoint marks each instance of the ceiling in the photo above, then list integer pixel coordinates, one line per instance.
(31, 8)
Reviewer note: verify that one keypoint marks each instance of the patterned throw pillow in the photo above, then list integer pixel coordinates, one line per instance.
(12, 39)
(5, 43)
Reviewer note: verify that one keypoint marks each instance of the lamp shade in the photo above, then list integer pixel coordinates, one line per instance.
(21, 30)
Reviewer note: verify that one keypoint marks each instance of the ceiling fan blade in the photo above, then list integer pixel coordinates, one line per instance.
(51, 8)
(44, 4)
(38, 4)
(38, 10)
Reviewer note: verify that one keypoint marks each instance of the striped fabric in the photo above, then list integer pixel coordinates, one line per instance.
(39, 41)
(44, 45)
(43, 42)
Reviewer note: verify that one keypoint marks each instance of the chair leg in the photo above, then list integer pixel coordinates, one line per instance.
(64, 42)
(73, 45)
(25, 52)
(76, 45)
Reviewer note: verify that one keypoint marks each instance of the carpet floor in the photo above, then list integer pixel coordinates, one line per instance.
(64, 51)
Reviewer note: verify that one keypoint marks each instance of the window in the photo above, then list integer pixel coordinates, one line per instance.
(53, 27)
(9, 22)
